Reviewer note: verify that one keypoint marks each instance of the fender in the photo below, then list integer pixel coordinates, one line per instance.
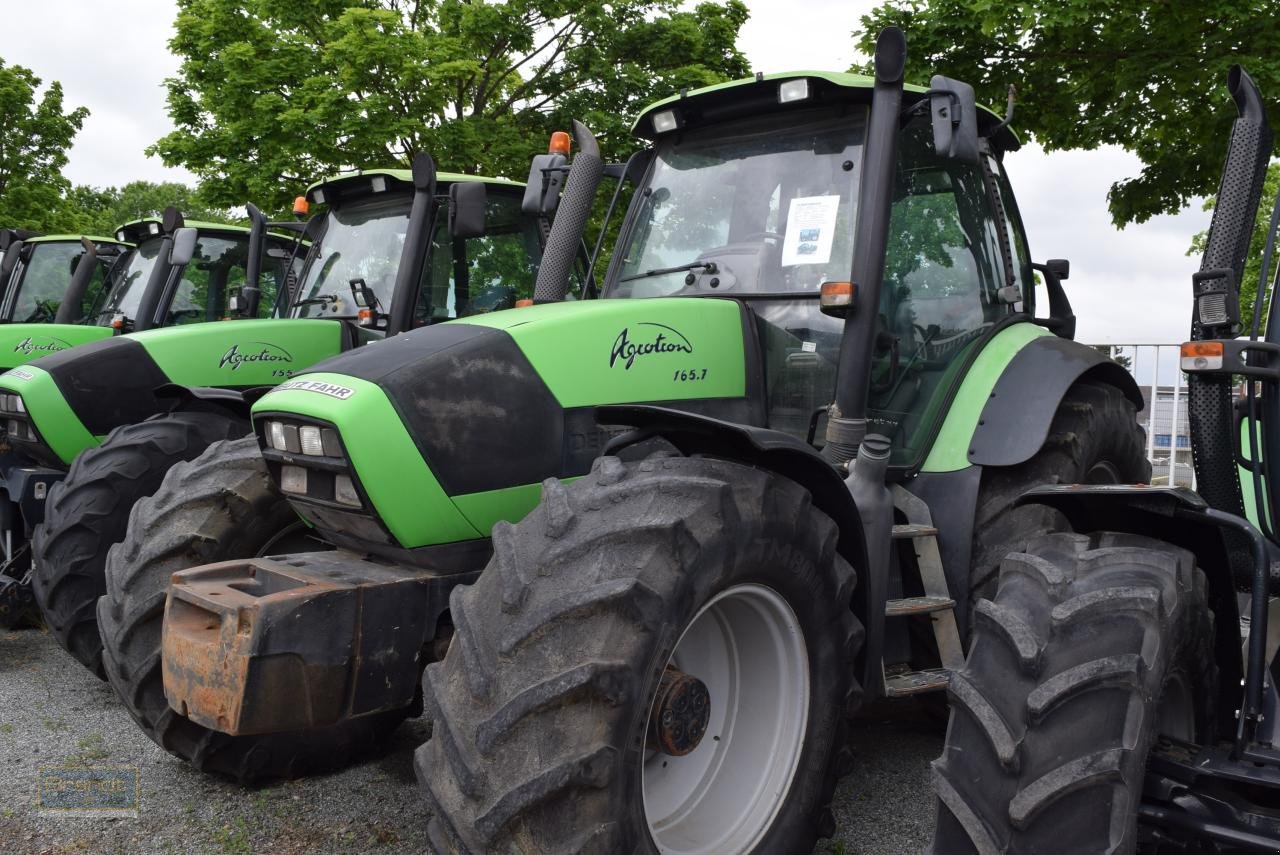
(234, 402)
(1017, 416)
(777, 452)
(1178, 516)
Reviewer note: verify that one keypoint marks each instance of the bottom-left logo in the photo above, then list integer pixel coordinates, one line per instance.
(80, 791)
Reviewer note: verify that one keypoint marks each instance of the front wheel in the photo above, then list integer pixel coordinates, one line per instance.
(658, 658)
(1090, 648)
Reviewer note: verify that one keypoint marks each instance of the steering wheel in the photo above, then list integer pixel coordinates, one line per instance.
(762, 236)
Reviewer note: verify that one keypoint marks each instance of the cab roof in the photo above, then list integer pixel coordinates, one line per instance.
(759, 94)
(74, 239)
(354, 182)
(138, 230)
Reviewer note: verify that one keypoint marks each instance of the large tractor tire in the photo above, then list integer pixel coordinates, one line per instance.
(1091, 646)
(220, 506)
(1095, 438)
(89, 511)
(660, 655)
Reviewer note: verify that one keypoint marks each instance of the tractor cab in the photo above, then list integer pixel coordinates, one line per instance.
(45, 272)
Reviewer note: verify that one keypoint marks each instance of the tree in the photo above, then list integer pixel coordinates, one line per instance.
(34, 137)
(272, 95)
(99, 210)
(1147, 76)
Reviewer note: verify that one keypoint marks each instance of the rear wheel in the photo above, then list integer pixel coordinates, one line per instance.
(1091, 647)
(89, 511)
(659, 657)
(218, 507)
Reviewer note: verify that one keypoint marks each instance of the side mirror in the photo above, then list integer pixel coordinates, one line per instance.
(184, 246)
(542, 191)
(1059, 267)
(955, 119)
(466, 209)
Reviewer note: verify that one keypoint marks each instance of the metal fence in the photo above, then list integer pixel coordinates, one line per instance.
(1164, 416)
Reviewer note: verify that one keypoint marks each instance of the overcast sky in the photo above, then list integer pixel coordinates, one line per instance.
(1126, 286)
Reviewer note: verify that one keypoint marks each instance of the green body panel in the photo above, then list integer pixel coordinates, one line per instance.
(61, 430)
(248, 352)
(950, 450)
(1246, 477)
(706, 335)
(22, 343)
(408, 498)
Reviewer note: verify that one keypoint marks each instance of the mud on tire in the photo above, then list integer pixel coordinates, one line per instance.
(1090, 646)
(220, 506)
(88, 512)
(541, 704)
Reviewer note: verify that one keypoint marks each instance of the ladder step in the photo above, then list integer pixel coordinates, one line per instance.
(916, 682)
(917, 606)
(907, 532)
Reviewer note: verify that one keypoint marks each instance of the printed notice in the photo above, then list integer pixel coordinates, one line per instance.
(811, 227)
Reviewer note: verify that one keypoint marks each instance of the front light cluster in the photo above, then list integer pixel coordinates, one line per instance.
(322, 472)
(17, 421)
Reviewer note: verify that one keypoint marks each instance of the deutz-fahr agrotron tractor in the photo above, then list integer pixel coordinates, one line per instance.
(769, 477)
(394, 249)
(56, 278)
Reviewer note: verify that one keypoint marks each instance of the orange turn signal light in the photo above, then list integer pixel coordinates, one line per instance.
(524, 303)
(301, 206)
(559, 143)
(1201, 356)
(837, 295)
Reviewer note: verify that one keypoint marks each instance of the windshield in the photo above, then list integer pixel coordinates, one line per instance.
(360, 241)
(762, 206)
(45, 280)
(125, 297)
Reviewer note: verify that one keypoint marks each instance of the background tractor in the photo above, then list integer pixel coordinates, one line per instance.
(1112, 696)
(44, 273)
(395, 249)
(152, 284)
(756, 484)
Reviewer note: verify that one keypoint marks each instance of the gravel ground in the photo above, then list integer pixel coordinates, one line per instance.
(54, 713)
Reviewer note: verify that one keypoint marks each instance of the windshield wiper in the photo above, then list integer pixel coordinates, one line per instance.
(707, 267)
(311, 301)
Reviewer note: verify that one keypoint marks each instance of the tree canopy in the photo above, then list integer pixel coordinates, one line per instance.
(34, 137)
(272, 95)
(1147, 76)
(98, 210)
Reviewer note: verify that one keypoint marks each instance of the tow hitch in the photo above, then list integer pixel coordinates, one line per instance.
(242, 655)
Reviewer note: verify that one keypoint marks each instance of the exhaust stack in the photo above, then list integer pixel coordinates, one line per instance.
(565, 239)
(1217, 296)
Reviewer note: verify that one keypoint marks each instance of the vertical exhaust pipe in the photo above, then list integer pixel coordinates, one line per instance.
(417, 240)
(252, 290)
(847, 420)
(149, 305)
(565, 239)
(69, 308)
(1209, 406)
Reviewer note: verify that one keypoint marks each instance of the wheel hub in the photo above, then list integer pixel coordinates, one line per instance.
(681, 711)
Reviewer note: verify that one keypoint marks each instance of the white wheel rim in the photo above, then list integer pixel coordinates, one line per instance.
(747, 647)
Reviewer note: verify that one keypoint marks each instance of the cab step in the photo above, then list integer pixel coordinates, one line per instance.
(908, 683)
(917, 606)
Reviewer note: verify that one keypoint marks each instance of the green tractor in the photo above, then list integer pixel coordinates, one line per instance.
(55, 278)
(1127, 670)
(394, 250)
(153, 274)
(638, 558)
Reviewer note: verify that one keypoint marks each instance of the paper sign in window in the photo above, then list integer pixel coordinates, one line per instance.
(811, 226)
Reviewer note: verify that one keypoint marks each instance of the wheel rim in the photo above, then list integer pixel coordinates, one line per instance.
(296, 537)
(747, 646)
(1103, 472)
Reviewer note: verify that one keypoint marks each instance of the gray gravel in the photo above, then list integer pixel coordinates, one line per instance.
(54, 713)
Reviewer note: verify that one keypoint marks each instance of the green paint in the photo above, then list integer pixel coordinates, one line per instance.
(1247, 443)
(73, 239)
(53, 418)
(950, 451)
(246, 352)
(510, 503)
(405, 176)
(406, 496)
(701, 338)
(22, 343)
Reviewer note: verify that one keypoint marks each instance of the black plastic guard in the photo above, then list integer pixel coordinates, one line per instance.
(754, 446)
(1016, 419)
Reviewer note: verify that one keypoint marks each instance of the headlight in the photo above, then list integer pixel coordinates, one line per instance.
(309, 462)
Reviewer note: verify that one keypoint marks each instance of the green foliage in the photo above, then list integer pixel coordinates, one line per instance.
(1148, 76)
(34, 137)
(99, 210)
(271, 95)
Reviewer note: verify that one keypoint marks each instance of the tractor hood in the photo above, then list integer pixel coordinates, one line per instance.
(22, 343)
(74, 397)
(447, 429)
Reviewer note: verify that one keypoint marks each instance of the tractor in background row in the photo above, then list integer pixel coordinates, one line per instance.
(651, 549)
(56, 278)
